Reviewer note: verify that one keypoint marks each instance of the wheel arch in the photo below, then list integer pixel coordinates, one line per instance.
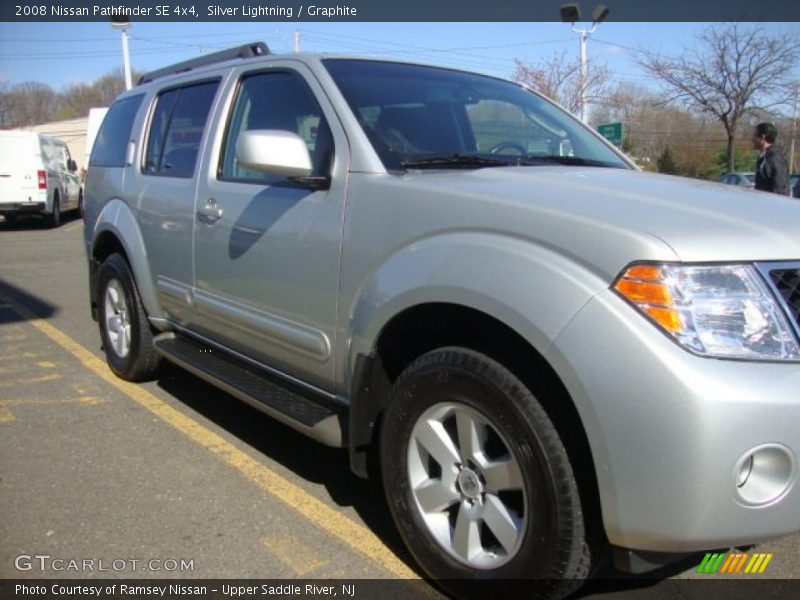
(116, 230)
(422, 328)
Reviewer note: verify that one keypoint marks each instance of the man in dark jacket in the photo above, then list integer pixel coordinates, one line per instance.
(771, 172)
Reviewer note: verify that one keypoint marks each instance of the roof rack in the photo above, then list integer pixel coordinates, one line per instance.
(246, 51)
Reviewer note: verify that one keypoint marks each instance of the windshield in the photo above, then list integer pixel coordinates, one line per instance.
(428, 117)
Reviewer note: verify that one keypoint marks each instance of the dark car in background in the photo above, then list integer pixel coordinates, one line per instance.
(745, 179)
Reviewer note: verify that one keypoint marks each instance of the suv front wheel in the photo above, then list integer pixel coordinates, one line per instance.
(478, 480)
(126, 333)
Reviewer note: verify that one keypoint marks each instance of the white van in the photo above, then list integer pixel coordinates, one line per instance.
(37, 175)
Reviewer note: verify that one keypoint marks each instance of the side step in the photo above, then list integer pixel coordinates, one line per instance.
(255, 386)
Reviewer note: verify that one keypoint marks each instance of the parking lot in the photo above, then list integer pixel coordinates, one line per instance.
(174, 478)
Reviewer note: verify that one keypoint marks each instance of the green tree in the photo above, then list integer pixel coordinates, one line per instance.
(665, 162)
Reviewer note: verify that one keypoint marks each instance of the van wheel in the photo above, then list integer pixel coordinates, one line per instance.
(54, 219)
(478, 480)
(80, 204)
(127, 337)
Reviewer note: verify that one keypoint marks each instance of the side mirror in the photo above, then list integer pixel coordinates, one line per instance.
(274, 151)
(72, 165)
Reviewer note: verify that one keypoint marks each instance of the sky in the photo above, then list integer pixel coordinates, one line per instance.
(66, 53)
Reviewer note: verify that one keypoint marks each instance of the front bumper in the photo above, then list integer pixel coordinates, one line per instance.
(669, 432)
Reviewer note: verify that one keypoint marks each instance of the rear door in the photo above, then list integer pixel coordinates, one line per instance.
(165, 188)
(19, 179)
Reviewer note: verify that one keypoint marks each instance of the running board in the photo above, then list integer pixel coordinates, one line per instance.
(255, 386)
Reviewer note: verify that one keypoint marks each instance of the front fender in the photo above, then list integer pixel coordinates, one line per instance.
(527, 287)
(117, 219)
(530, 288)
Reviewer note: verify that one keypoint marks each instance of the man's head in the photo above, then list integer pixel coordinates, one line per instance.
(764, 136)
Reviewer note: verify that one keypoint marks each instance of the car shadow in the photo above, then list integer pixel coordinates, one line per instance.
(39, 308)
(309, 460)
(36, 222)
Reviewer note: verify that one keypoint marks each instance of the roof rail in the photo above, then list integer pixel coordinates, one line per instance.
(246, 51)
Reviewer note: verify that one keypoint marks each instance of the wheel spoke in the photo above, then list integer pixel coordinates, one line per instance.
(126, 338)
(502, 475)
(113, 324)
(113, 295)
(471, 436)
(501, 523)
(119, 343)
(435, 439)
(435, 495)
(466, 536)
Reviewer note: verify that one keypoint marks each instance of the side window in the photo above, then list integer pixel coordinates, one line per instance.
(279, 100)
(176, 129)
(158, 130)
(111, 143)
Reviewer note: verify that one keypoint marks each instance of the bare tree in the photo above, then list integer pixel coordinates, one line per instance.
(559, 78)
(5, 105)
(733, 70)
(75, 100)
(28, 103)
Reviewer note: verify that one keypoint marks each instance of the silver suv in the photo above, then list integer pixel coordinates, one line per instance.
(549, 353)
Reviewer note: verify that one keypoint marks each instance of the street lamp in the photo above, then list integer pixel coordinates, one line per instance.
(123, 23)
(571, 13)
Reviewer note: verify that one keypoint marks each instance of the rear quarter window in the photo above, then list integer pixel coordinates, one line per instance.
(111, 143)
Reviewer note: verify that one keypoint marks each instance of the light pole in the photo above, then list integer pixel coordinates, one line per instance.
(571, 13)
(123, 24)
(794, 127)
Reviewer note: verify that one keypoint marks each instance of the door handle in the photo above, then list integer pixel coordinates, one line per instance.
(210, 210)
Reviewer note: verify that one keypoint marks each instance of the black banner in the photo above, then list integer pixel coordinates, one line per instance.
(391, 10)
(633, 588)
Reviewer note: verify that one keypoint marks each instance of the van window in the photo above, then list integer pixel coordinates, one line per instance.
(176, 129)
(277, 100)
(111, 143)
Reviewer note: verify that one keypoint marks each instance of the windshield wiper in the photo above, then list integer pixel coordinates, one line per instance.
(456, 161)
(534, 159)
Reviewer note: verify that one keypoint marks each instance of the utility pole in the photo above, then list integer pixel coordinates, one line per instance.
(584, 33)
(123, 23)
(296, 41)
(794, 128)
(571, 13)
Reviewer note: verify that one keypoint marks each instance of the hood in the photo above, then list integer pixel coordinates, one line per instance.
(698, 220)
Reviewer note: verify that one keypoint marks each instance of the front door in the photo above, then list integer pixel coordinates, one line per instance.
(267, 249)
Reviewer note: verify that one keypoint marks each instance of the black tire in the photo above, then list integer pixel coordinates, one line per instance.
(80, 204)
(140, 362)
(54, 218)
(552, 556)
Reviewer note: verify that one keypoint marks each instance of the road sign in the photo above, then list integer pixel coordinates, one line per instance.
(612, 132)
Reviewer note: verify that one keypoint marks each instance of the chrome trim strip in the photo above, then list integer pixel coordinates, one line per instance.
(269, 328)
(764, 268)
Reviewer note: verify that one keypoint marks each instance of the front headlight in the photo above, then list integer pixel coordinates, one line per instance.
(715, 310)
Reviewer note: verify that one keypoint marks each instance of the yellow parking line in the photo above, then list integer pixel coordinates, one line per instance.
(6, 416)
(22, 355)
(30, 380)
(296, 555)
(90, 400)
(353, 535)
